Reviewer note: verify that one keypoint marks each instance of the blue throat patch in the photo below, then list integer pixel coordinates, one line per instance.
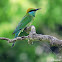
(32, 13)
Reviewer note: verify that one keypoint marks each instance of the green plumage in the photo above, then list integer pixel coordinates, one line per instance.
(25, 21)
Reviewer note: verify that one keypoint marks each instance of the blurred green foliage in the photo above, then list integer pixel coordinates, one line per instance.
(48, 21)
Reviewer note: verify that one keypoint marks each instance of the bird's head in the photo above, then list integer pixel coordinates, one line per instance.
(32, 11)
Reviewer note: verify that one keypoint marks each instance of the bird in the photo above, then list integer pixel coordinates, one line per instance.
(30, 14)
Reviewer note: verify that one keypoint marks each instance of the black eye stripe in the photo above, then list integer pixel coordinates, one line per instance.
(32, 10)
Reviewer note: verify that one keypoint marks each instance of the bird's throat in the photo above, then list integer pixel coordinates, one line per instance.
(32, 13)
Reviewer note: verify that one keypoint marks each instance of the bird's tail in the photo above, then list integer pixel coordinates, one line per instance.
(13, 43)
(16, 35)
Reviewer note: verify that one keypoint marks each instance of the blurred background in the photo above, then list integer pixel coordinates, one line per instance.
(48, 21)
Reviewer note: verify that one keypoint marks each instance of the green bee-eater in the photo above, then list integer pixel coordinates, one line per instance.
(25, 21)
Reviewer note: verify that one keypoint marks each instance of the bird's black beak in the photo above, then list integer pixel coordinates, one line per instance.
(38, 9)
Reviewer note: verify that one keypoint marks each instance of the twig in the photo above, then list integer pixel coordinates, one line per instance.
(34, 36)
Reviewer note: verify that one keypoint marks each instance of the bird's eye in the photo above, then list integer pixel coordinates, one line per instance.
(32, 10)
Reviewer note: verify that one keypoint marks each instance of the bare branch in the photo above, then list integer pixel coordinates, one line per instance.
(33, 36)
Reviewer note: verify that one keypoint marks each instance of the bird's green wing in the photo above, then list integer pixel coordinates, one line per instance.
(25, 20)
